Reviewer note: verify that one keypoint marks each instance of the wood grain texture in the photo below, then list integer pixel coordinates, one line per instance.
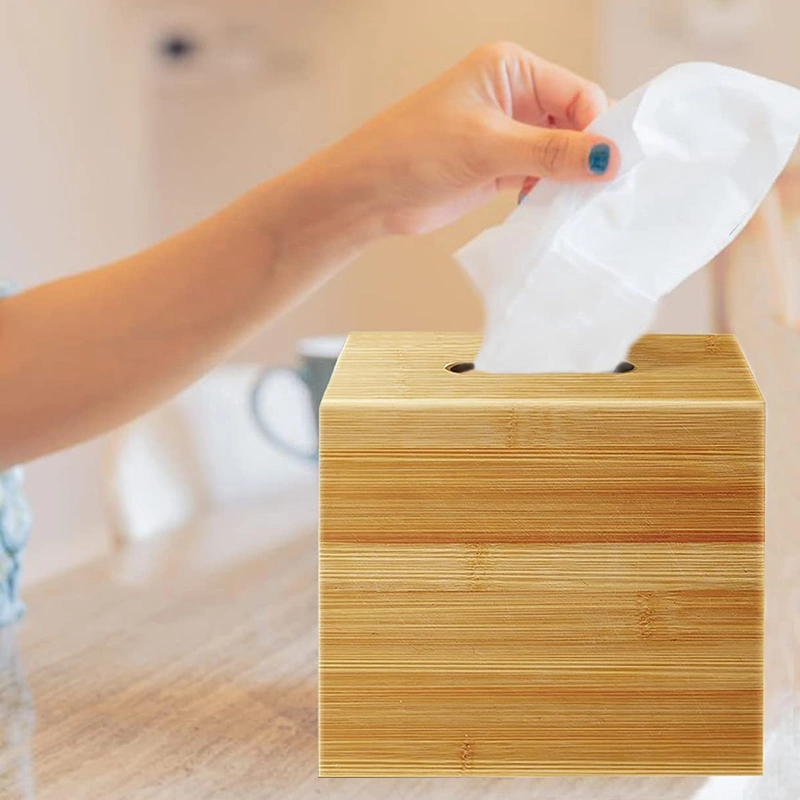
(551, 574)
(185, 669)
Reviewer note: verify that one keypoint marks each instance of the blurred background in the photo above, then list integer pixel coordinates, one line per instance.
(125, 120)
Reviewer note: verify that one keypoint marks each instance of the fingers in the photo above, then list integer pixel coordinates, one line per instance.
(573, 101)
(540, 90)
(527, 185)
(562, 155)
(546, 108)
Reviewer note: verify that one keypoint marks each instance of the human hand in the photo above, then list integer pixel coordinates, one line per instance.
(501, 118)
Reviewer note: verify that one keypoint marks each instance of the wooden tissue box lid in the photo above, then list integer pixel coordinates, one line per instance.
(540, 574)
(411, 367)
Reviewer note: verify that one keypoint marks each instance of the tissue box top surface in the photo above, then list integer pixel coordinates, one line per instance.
(412, 367)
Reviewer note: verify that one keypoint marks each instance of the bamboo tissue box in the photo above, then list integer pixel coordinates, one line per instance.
(540, 574)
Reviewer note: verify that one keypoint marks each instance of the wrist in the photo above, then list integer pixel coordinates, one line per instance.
(320, 214)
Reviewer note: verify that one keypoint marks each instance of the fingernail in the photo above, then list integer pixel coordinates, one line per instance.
(599, 158)
(527, 185)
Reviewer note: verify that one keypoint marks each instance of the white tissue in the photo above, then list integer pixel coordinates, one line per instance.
(573, 277)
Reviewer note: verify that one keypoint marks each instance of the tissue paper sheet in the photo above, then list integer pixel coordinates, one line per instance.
(573, 277)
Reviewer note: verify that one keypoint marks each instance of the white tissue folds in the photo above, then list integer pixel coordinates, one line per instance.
(573, 276)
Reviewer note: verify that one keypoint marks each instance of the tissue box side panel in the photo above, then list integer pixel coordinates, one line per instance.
(550, 588)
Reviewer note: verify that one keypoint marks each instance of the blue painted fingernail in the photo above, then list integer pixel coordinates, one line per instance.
(599, 158)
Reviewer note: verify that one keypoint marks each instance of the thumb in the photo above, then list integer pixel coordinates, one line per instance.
(562, 155)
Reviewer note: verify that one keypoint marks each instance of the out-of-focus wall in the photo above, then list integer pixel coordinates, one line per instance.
(211, 140)
(70, 175)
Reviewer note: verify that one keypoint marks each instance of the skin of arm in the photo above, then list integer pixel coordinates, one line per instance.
(84, 354)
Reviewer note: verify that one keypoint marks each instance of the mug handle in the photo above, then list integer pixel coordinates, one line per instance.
(255, 405)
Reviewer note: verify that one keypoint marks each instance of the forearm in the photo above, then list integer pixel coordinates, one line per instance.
(84, 354)
(81, 355)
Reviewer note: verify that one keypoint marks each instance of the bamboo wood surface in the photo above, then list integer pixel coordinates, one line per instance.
(555, 574)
